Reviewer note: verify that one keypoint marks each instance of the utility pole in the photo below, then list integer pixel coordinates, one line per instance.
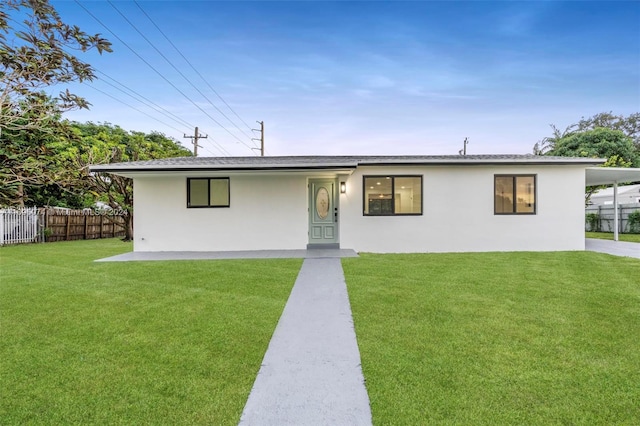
(194, 141)
(463, 151)
(261, 130)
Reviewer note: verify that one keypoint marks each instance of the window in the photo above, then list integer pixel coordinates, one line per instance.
(208, 192)
(392, 195)
(515, 194)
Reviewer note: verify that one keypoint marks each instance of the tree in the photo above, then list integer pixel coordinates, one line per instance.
(106, 143)
(629, 126)
(600, 142)
(597, 143)
(549, 143)
(52, 168)
(36, 58)
(35, 161)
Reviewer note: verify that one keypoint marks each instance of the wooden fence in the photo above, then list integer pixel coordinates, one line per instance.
(67, 225)
(30, 225)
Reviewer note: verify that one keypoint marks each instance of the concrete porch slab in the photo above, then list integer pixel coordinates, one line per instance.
(217, 255)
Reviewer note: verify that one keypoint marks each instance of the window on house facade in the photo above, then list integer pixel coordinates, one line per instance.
(514, 194)
(392, 195)
(208, 192)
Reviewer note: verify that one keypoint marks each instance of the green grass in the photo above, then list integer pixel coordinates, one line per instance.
(498, 338)
(174, 342)
(631, 238)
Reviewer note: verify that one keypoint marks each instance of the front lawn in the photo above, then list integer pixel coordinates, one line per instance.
(498, 338)
(175, 342)
(631, 238)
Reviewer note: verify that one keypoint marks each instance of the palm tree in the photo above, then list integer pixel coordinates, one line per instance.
(548, 144)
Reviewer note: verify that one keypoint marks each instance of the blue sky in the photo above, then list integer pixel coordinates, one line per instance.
(333, 78)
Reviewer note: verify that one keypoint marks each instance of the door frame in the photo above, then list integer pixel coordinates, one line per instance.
(335, 212)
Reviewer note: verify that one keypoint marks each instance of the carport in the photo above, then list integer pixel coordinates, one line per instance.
(612, 176)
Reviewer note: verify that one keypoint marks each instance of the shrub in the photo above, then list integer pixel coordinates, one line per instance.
(593, 221)
(633, 222)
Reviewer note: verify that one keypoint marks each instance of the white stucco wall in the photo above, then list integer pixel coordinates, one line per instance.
(269, 211)
(266, 211)
(455, 223)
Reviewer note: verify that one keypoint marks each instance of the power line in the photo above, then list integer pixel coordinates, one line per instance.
(206, 149)
(132, 107)
(220, 148)
(152, 67)
(177, 119)
(215, 144)
(191, 65)
(152, 105)
(145, 101)
(181, 73)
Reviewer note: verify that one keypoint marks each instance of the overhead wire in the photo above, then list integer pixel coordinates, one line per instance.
(155, 106)
(218, 146)
(208, 150)
(148, 102)
(132, 107)
(183, 76)
(151, 66)
(191, 65)
(144, 100)
(151, 105)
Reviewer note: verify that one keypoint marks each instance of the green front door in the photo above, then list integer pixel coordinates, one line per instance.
(323, 212)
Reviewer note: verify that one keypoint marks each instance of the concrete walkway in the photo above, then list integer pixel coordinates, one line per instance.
(618, 248)
(311, 373)
(212, 255)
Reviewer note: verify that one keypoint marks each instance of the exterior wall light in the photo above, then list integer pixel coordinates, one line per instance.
(343, 187)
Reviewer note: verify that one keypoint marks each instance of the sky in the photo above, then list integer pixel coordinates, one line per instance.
(359, 78)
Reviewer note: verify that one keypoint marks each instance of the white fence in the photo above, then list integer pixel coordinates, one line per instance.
(18, 226)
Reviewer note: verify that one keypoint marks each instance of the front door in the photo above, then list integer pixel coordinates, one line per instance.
(323, 212)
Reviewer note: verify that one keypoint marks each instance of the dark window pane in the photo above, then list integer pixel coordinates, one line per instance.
(219, 190)
(198, 193)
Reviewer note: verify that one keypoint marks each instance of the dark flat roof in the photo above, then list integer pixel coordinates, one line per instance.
(331, 162)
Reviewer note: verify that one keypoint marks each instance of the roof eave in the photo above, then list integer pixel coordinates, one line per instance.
(137, 168)
(493, 162)
(156, 168)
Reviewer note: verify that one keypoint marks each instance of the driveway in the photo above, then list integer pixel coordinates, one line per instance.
(617, 248)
